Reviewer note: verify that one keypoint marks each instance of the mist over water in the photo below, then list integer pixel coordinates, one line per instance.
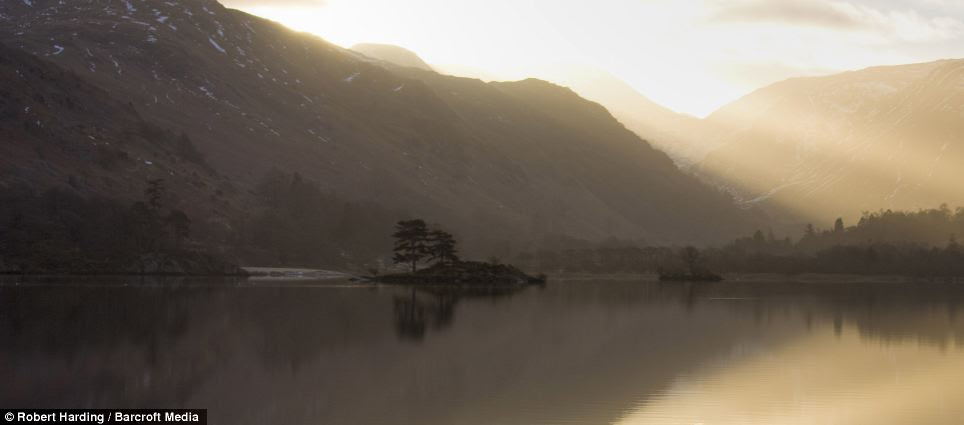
(587, 352)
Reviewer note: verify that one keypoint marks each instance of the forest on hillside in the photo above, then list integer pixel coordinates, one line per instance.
(59, 231)
(915, 243)
(293, 222)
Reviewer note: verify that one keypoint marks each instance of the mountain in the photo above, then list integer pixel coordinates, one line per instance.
(685, 138)
(392, 54)
(468, 71)
(823, 147)
(59, 130)
(494, 162)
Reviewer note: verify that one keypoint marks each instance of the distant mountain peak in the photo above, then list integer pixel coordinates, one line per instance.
(392, 54)
(508, 161)
(678, 135)
(837, 145)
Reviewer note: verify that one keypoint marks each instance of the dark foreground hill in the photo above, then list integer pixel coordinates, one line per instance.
(505, 164)
(59, 130)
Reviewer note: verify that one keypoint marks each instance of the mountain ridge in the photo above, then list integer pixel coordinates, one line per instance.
(61, 131)
(482, 158)
(391, 53)
(887, 136)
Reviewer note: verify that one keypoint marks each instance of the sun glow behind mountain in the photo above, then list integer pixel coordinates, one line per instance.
(692, 56)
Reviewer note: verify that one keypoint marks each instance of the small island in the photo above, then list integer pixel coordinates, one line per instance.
(415, 243)
(689, 269)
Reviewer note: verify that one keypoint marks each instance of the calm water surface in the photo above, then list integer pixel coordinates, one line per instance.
(579, 352)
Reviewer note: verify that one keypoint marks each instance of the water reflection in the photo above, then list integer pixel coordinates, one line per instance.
(575, 352)
(819, 379)
(435, 305)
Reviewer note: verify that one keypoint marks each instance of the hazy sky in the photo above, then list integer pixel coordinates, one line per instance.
(690, 55)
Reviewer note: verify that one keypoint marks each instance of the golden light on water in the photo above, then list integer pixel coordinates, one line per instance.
(819, 379)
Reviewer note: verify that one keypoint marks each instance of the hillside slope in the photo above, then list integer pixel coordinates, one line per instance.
(516, 161)
(393, 54)
(60, 131)
(883, 137)
(685, 138)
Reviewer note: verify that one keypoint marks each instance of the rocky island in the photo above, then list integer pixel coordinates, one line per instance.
(416, 244)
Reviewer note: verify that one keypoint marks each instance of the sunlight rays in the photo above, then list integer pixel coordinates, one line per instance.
(820, 158)
(842, 145)
(692, 56)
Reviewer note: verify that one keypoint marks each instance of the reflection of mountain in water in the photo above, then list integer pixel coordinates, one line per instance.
(576, 351)
(923, 313)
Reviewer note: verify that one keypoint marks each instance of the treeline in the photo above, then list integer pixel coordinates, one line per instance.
(903, 258)
(604, 259)
(296, 223)
(934, 227)
(59, 231)
(415, 243)
(920, 243)
(292, 222)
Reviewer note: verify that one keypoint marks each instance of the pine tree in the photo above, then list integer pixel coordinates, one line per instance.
(442, 247)
(691, 260)
(758, 237)
(838, 226)
(411, 242)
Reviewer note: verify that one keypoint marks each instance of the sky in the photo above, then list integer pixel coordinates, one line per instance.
(692, 56)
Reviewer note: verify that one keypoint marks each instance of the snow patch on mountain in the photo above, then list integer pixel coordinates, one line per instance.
(216, 45)
(207, 92)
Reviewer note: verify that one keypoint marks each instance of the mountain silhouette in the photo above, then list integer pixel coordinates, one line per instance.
(685, 138)
(497, 162)
(59, 130)
(393, 54)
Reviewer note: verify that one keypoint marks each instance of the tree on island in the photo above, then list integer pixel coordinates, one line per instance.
(442, 247)
(690, 266)
(411, 242)
(415, 242)
(693, 260)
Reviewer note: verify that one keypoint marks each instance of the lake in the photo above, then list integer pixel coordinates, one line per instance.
(574, 352)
